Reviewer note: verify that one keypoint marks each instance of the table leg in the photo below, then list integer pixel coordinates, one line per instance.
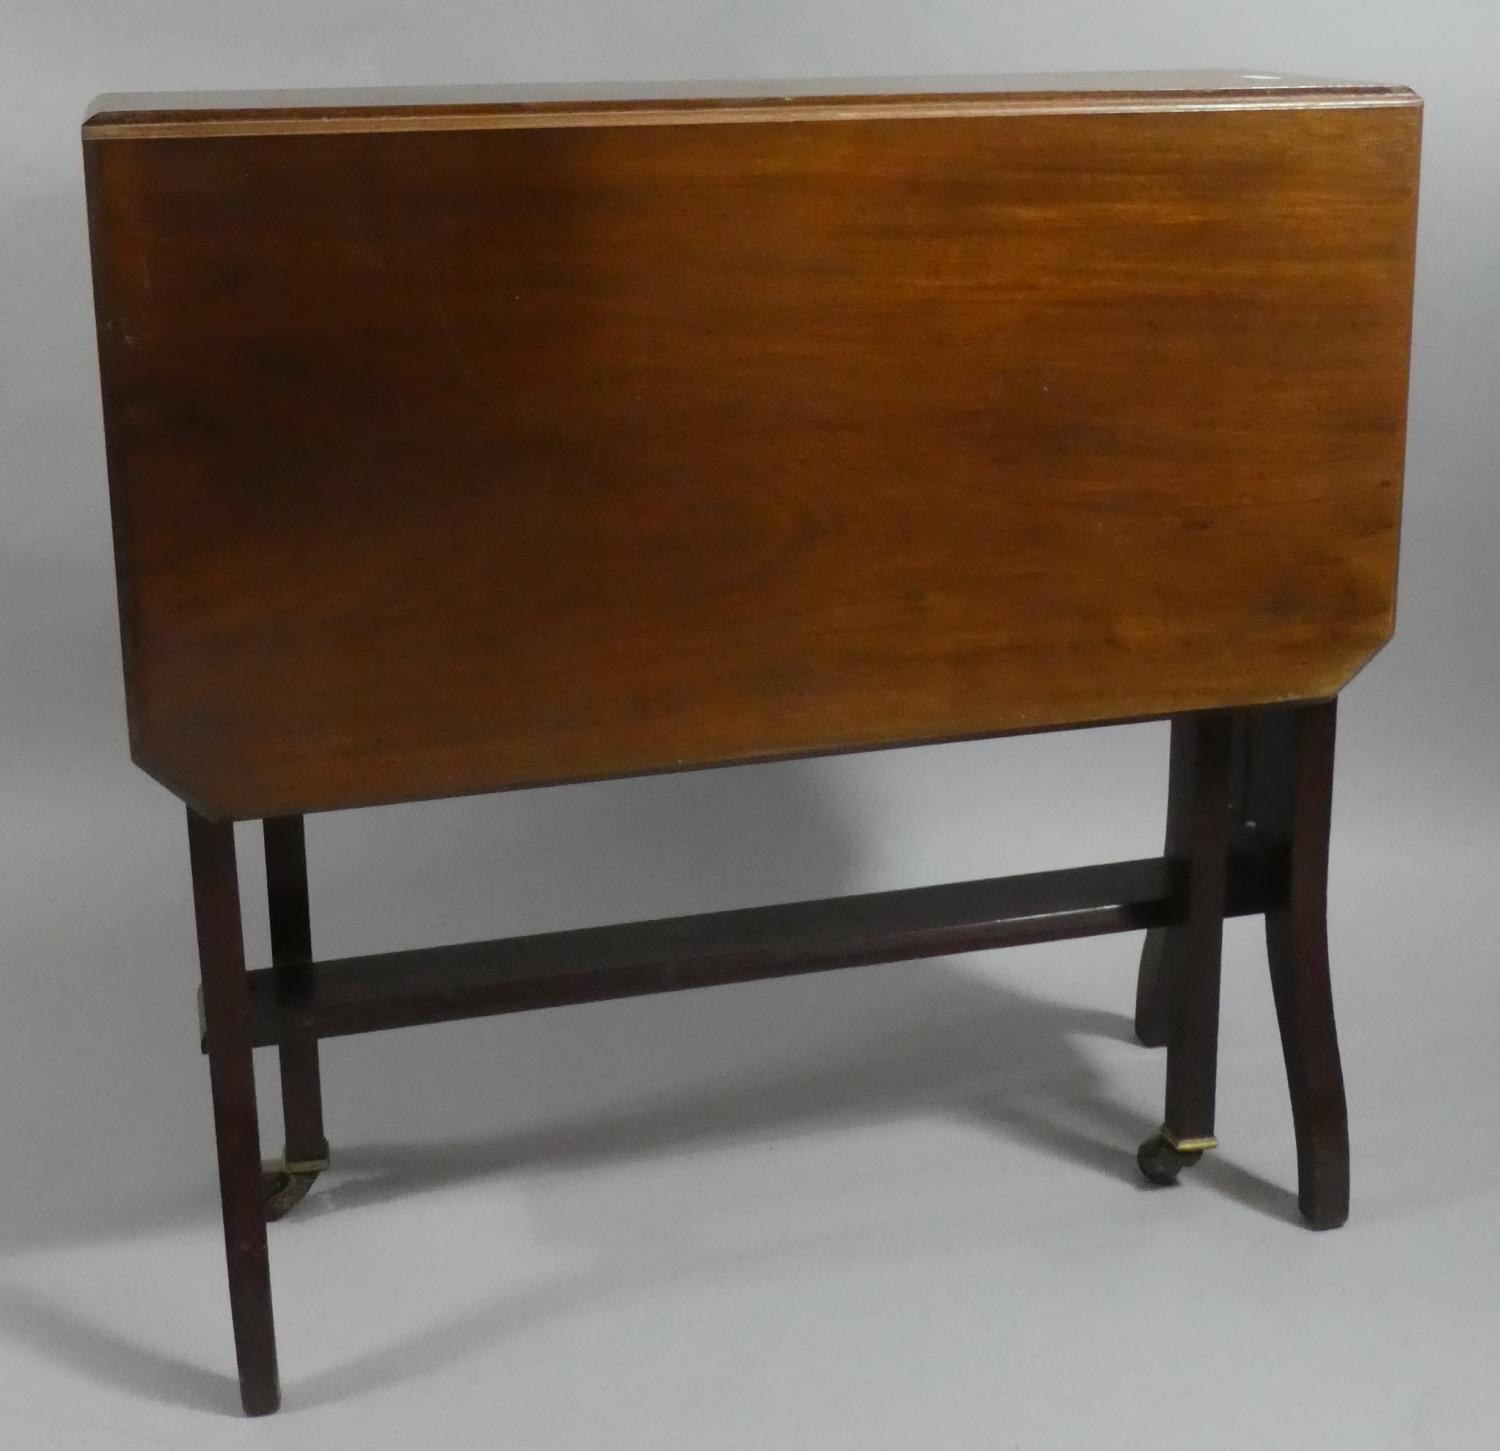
(1292, 753)
(1163, 944)
(1202, 770)
(226, 1017)
(306, 1151)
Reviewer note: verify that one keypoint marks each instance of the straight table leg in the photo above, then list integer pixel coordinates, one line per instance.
(226, 1016)
(1203, 767)
(306, 1152)
(1164, 944)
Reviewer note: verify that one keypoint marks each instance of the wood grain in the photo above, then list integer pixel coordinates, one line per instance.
(474, 457)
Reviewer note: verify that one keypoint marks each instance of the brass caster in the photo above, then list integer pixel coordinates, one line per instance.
(1162, 1158)
(284, 1188)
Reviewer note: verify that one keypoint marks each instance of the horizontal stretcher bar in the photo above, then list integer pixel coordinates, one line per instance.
(591, 964)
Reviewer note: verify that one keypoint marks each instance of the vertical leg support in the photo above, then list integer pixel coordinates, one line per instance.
(1164, 944)
(1291, 799)
(306, 1152)
(226, 1018)
(1187, 965)
(1280, 804)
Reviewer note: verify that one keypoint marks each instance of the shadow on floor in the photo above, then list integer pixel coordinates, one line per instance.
(931, 1040)
(106, 1358)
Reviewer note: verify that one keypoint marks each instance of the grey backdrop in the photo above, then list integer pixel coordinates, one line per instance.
(112, 1322)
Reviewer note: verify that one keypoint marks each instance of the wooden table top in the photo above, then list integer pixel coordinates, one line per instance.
(384, 107)
(468, 440)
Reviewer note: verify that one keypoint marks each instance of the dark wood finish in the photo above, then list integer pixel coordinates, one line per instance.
(439, 984)
(1163, 944)
(306, 1145)
(291, 954)
(1280, 816)
(1152, 977)
(1193, 984)
(226, 1017)
(1177, 992)
(469, 447)
(287, 896)
(1292, 795)
(196, 113)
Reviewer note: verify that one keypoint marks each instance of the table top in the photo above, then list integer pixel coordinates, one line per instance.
(457, 445)
(253, 112)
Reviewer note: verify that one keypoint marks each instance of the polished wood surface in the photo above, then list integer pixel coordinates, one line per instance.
(510, 451)
(380, 991)
(390, 108)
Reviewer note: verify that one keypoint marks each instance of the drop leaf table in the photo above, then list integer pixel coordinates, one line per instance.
(467, 441)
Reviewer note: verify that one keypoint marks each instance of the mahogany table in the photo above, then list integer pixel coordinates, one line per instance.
(461, 442)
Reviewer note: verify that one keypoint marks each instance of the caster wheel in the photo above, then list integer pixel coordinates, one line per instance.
(1161, 1163)
(281, 1192)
